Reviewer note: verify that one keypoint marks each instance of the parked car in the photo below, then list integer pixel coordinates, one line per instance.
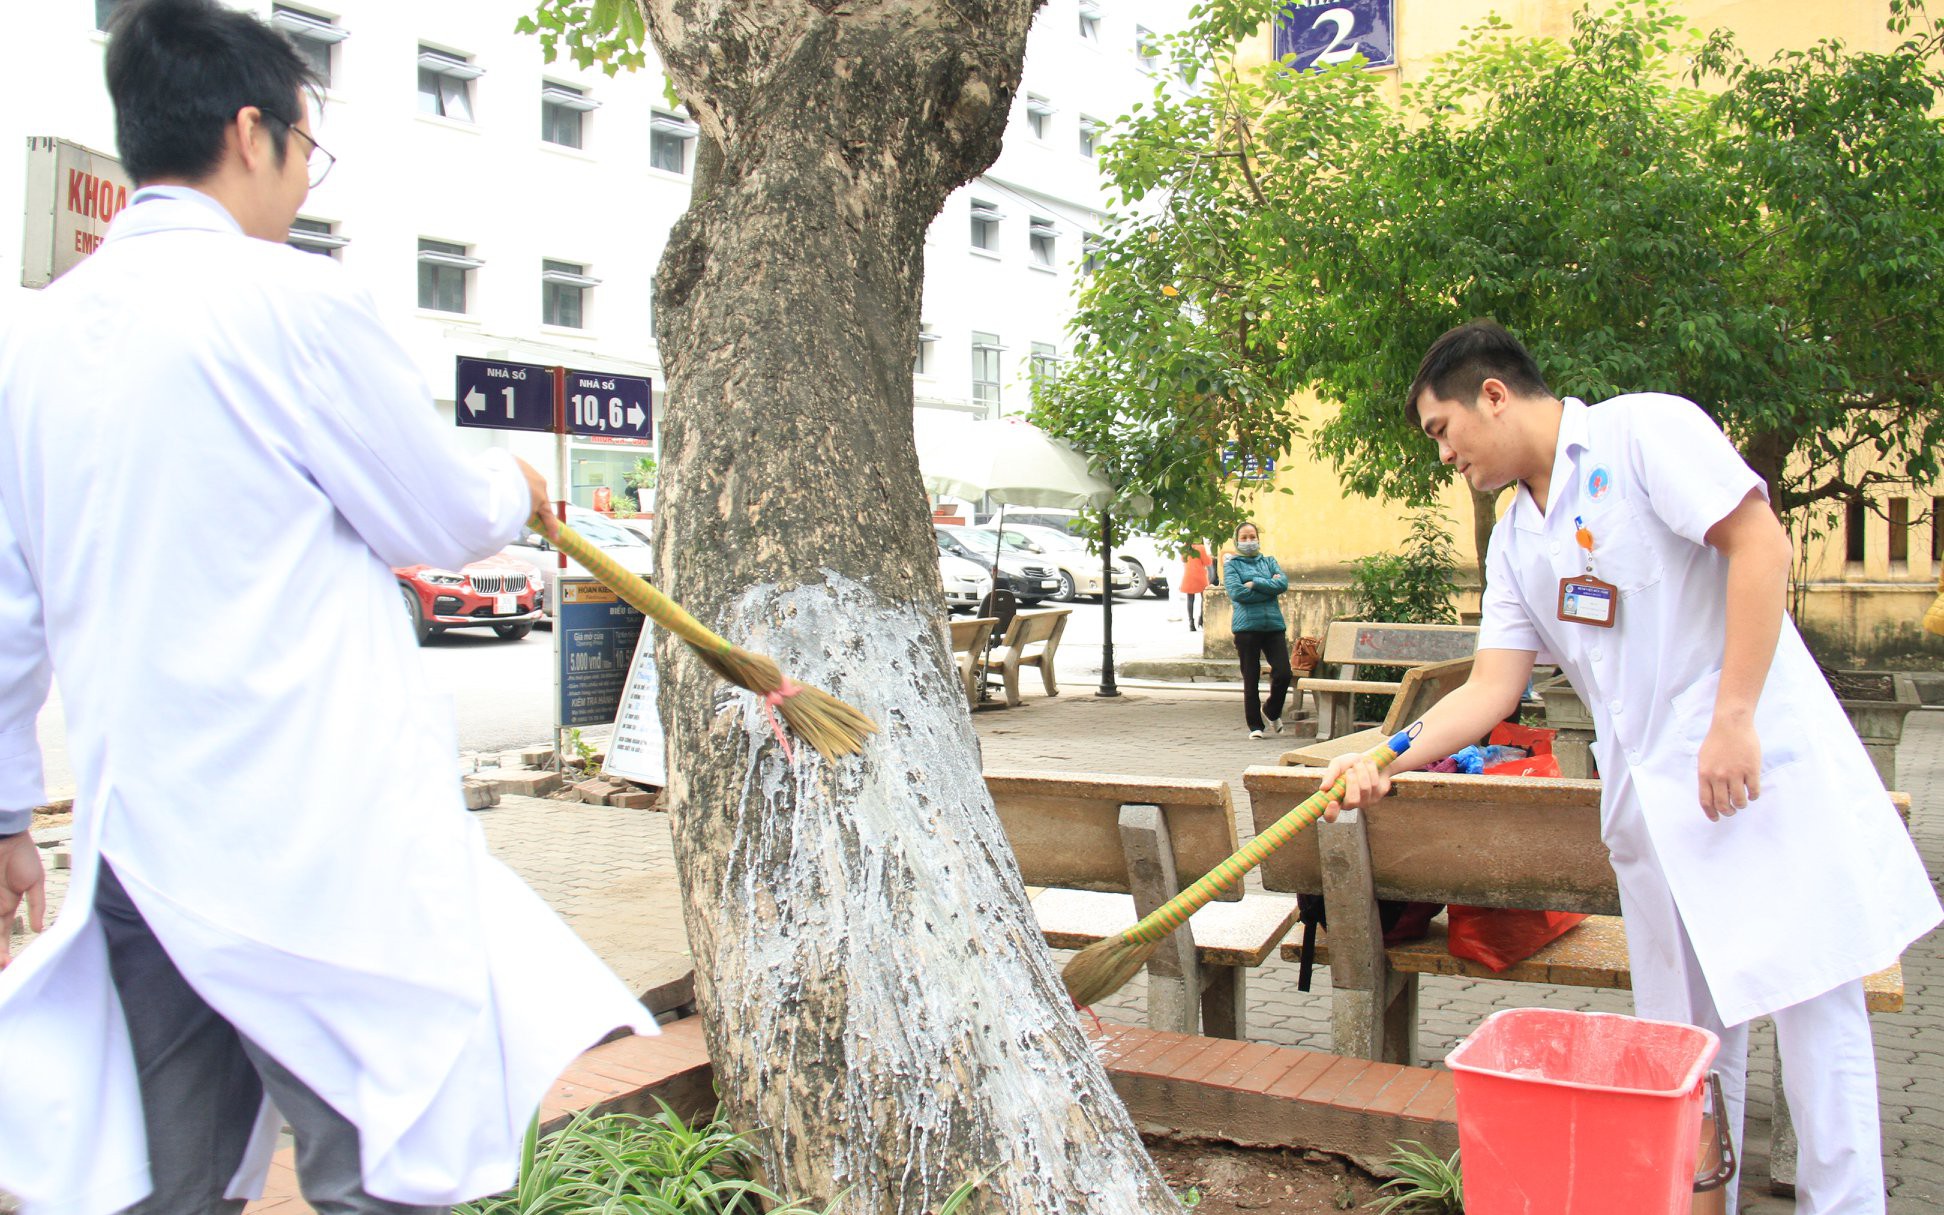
(1143, 556)
(500, 593)
(629, 550)
(966, 584)
(1079, 570)
(1032, 580)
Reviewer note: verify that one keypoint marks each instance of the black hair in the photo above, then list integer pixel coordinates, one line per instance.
(1243, 524)
(179, 70)
(1462, 359)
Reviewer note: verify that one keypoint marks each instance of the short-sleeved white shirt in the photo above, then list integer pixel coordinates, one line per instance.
(1648, 475)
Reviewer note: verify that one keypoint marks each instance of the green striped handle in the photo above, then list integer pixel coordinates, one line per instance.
(1175, 912)
(639, 593)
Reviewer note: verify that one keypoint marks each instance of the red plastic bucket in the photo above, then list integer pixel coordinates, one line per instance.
(1571, 1113)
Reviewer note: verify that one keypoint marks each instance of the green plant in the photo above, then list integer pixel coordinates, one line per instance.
(625, 1164)
(584, 751)
(1411, 586)
(1189, 1198)
(644, 473)
(621, 502)
(1425, 1184)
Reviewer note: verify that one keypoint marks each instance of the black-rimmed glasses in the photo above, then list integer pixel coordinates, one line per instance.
(317, 173)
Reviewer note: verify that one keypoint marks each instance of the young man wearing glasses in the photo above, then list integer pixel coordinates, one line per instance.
(279, 908)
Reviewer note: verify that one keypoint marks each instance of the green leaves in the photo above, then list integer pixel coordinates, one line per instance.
(1774, 251)
(610, 34)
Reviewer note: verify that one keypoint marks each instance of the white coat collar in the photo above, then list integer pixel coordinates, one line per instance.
(1526, 515)
(169, 209)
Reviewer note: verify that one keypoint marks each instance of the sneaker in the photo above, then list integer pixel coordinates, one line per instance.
(1255, 734)
(1278, 723)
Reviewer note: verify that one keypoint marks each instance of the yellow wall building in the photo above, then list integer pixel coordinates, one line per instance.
(1868, 606)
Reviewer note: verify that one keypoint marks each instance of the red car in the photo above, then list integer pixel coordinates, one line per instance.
(499, 593)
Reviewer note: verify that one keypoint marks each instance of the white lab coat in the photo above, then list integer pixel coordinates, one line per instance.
(1815, 884)
(210, 454)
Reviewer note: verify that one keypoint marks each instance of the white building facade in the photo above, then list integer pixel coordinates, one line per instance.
(497, 206)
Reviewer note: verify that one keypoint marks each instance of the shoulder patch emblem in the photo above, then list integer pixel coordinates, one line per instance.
(1598, 483)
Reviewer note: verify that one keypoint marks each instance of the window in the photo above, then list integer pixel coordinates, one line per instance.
(443, 271)
(445, 84)
(562, 111)
(1089, 21)
(1041, 237)
(1147, 52)
(1853, 519)
(1899, 531)
(316, 236)
(1044, 363)
(985, 225)
(1090, 255)
(563, 294)
(926, 340)
(314, 37)
(1089, 135)
(104, 9)
(669, 138)
(985, 369)
(1039, 116)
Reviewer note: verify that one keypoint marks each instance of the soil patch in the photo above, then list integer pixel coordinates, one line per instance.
(1245, 1181)
(1857, 685)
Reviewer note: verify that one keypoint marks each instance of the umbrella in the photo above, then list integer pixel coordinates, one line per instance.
(1016, 463)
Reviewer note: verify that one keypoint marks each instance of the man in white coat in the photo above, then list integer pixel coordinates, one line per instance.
(211, 453)
(1762, 869)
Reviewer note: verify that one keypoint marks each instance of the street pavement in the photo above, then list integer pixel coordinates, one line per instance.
(611, 874)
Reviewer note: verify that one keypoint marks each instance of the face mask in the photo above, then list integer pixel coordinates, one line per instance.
(1248, 548)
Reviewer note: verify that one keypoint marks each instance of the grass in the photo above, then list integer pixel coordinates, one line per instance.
(625, 1164)
(1425, 1184)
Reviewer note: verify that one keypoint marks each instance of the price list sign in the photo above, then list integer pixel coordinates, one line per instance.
(597, 637)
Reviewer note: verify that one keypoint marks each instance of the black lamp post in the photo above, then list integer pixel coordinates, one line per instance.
(1107, 687)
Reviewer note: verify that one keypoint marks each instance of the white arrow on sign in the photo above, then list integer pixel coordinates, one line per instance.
(635, 416)
(475, 401)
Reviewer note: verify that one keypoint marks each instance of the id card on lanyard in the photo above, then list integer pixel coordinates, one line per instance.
(1586, 599)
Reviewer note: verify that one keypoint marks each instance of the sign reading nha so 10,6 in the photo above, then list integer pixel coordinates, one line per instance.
(496, 395)
(617, 406)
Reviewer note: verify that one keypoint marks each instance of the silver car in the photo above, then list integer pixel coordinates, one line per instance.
(629, 551)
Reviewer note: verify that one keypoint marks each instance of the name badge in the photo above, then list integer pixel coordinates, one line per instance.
(1587, 600)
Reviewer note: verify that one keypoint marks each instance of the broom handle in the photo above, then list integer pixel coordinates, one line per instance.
(1175, 912)
(637, 591)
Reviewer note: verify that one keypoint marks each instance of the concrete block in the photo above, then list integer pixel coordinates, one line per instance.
(534, 757)
(62, 859)
(480, 794)
(528, 784)
(636, 799)
(516, 760)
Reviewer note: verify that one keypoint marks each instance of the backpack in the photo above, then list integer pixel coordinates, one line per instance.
(1402, 920)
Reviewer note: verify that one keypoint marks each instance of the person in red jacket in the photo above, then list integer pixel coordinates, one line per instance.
(1194, 579)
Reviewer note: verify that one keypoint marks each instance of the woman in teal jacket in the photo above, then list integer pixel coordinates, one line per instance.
(1254, 582)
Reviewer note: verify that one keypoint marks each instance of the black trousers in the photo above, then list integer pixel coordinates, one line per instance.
(1253, 649)
(201, 1083)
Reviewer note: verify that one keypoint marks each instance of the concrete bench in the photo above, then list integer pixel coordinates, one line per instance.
(1111, 849)
(1420, 688)
(1352, 643)
(1481, 841)
(969, 641)
(1031, 642)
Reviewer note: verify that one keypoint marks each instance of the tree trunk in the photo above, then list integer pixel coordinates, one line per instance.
(1484, 518)
(881, 1009)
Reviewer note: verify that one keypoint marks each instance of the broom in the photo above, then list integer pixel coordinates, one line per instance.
(1104, 967)
(834, 728)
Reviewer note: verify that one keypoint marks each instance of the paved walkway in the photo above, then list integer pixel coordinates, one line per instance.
(612, 874)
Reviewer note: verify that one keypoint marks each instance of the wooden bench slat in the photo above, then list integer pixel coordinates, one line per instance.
(1312, 684)
(1592, 954)
(1226, 934)
(1064, 827)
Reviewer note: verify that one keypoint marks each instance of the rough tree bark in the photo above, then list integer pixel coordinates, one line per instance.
(881, 1009)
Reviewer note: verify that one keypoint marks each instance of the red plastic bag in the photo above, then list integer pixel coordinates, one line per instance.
(1532, 738)
(1498, 937)
(1546, 764)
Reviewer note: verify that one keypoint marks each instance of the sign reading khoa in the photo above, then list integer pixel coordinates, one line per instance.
(72, 193)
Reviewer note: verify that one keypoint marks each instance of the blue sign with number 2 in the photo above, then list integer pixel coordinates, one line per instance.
(1321, 35)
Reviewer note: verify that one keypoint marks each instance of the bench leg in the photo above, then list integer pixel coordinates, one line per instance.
(1046, 673)
(1173, 975)
(1333, 716)
(1012, 682)
(1373, 1011)
(1225, 1002)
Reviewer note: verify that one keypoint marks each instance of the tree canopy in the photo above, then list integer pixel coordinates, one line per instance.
(1643, 206)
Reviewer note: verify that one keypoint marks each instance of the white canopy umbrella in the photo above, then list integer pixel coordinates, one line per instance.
(1015, 463)
(1009, 459)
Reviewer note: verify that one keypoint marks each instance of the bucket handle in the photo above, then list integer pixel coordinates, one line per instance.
(1724, 1143)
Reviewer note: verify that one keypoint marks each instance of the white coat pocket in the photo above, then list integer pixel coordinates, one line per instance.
(1624, 551)
(1693, 711)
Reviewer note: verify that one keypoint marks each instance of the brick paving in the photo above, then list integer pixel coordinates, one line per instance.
(611, 873)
